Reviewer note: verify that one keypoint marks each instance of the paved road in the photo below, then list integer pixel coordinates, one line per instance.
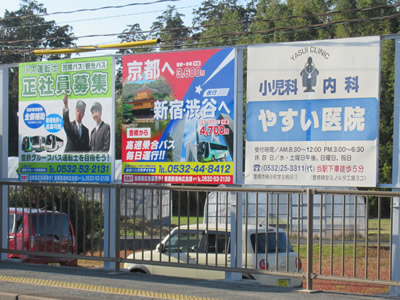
(43, 281)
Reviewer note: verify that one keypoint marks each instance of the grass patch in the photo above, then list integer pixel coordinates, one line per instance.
(373, 227)
(337, 251)
(184, 220)
(137, 227)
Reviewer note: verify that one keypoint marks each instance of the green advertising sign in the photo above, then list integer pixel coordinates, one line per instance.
(66, 124)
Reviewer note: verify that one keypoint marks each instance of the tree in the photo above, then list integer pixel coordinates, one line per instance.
(348, 8)
(20, 32)
(215, 9)
(170, 28)
(25, 29)
(312, 12)
(270, 15)
(133, 34)
(220, 23)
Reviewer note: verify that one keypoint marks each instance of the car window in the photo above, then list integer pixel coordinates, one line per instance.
(215, 242)
(260, 239)
(183, 240)
(15, 223)
(50, 224)
(198, 241)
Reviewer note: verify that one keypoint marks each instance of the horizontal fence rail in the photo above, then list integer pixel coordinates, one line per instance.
(284, 237)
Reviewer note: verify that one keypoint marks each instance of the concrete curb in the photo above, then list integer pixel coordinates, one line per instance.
(10, 296)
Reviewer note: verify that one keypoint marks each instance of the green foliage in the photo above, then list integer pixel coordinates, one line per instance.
(184, 220)
(386, 112)
(138, 228)
(170, 28)
(26, 28)
(127, 113)
(373, 204)
(269, 16)
(223, 23)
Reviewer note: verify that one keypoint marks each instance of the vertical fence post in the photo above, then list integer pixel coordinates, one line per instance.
(395, 291)
(310, 221)
(236, 219)
(236, 211)
(109, 223)
(4, 157)
(2, 228)
(117, 227)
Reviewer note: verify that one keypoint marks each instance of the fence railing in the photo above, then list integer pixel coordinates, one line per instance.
(283, 237)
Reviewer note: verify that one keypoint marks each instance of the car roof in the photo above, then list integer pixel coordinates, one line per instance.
(27, 210)
(223, 227)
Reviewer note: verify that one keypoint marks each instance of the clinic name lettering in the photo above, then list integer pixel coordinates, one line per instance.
(308, 51)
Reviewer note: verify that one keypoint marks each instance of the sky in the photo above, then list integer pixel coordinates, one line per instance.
(106, 21)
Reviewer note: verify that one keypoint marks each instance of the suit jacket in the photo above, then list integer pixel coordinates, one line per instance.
(74, 142)
(100, 140)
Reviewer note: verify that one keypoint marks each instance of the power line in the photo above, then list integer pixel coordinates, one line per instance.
(294, 28)
(267, 32)
(325, 14)
(125, 15)
(95, 19)
(109, 7)
(207, 40)
(89, 9)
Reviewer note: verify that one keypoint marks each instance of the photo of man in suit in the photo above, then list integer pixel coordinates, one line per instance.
(77, 133)
(100, 135)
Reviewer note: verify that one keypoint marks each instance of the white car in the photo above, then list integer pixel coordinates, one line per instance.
(186, 247)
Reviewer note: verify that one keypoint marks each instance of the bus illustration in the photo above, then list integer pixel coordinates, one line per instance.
(53, 143)
(209, 151)
(38, 143)
(26, 144)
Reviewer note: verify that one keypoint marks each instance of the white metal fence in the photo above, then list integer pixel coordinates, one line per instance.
(285, 235)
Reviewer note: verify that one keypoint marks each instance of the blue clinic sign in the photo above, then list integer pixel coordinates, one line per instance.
(318, 120)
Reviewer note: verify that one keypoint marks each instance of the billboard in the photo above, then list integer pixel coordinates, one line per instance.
(178, 114)
(66, 120)
(313, 113)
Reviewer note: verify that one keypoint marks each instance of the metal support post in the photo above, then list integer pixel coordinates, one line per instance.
(109, 226)
(236, 208)
(310, 221)
(395, 291)
(236, 238)
(117, 227)
(4, 155)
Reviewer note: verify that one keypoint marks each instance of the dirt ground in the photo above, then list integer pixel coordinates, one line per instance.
(324, 285)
